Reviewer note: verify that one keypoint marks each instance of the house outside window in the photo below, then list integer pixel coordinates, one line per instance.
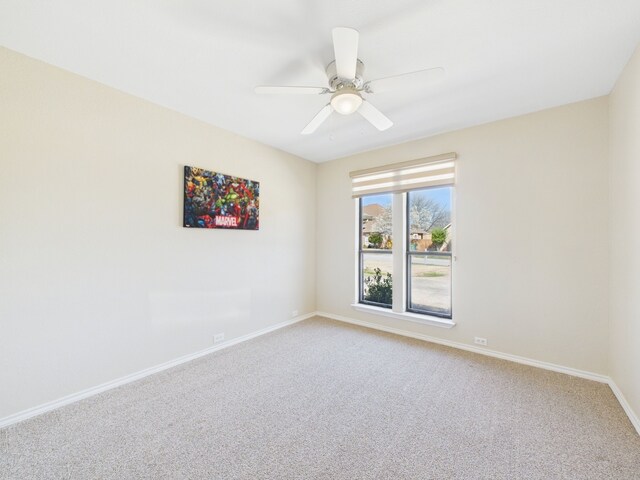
(376, 250)
(429, 251)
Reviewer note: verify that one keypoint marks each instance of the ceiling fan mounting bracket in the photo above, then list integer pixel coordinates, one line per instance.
(336, 83)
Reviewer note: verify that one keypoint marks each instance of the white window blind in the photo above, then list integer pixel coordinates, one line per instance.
(401, 177)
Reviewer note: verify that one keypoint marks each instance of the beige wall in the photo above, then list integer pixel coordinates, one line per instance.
(529, 190)
(624, 346)
(98, 278)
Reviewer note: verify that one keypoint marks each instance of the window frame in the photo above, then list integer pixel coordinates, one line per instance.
(409, 254)
(400, 307)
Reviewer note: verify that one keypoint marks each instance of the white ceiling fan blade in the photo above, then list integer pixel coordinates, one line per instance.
(405, 81)
(320, 117)
(345, 48)
(374, 116)
(291, 90)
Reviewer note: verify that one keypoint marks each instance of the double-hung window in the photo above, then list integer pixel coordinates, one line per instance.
(405, 238)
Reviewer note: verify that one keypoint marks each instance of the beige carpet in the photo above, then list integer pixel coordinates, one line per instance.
(326, 400)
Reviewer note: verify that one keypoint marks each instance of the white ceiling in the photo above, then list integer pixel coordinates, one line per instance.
(203, 58)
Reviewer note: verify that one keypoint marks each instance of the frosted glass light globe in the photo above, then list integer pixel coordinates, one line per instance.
(346, 102)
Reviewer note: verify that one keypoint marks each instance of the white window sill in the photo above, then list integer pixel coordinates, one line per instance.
(412, 317)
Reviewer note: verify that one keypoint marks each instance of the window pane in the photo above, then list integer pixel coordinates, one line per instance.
(430, 283)
(376, 268)
(429, 230)
(376, 278)
(430, 219)
(376, 221)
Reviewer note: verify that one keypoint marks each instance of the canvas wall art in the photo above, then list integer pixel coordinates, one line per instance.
(216, 200)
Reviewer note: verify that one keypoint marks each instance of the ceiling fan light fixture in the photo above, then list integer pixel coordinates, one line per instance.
(346, 102)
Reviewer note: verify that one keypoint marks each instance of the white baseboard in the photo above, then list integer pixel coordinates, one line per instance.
(46, 407)
(89, 392)
(635, 420)
(470, 348)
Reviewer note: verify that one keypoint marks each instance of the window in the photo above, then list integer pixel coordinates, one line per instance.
(406, 238)
(376, 242)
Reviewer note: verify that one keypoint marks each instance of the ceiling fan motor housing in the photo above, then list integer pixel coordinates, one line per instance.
(336, 83)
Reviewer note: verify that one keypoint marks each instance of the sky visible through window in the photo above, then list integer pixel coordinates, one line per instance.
(440, 195)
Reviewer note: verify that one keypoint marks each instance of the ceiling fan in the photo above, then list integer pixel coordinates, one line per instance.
(346, 84)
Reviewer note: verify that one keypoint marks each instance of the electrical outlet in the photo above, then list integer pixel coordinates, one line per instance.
(218, 337)
(480, 341)
(294, 314)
